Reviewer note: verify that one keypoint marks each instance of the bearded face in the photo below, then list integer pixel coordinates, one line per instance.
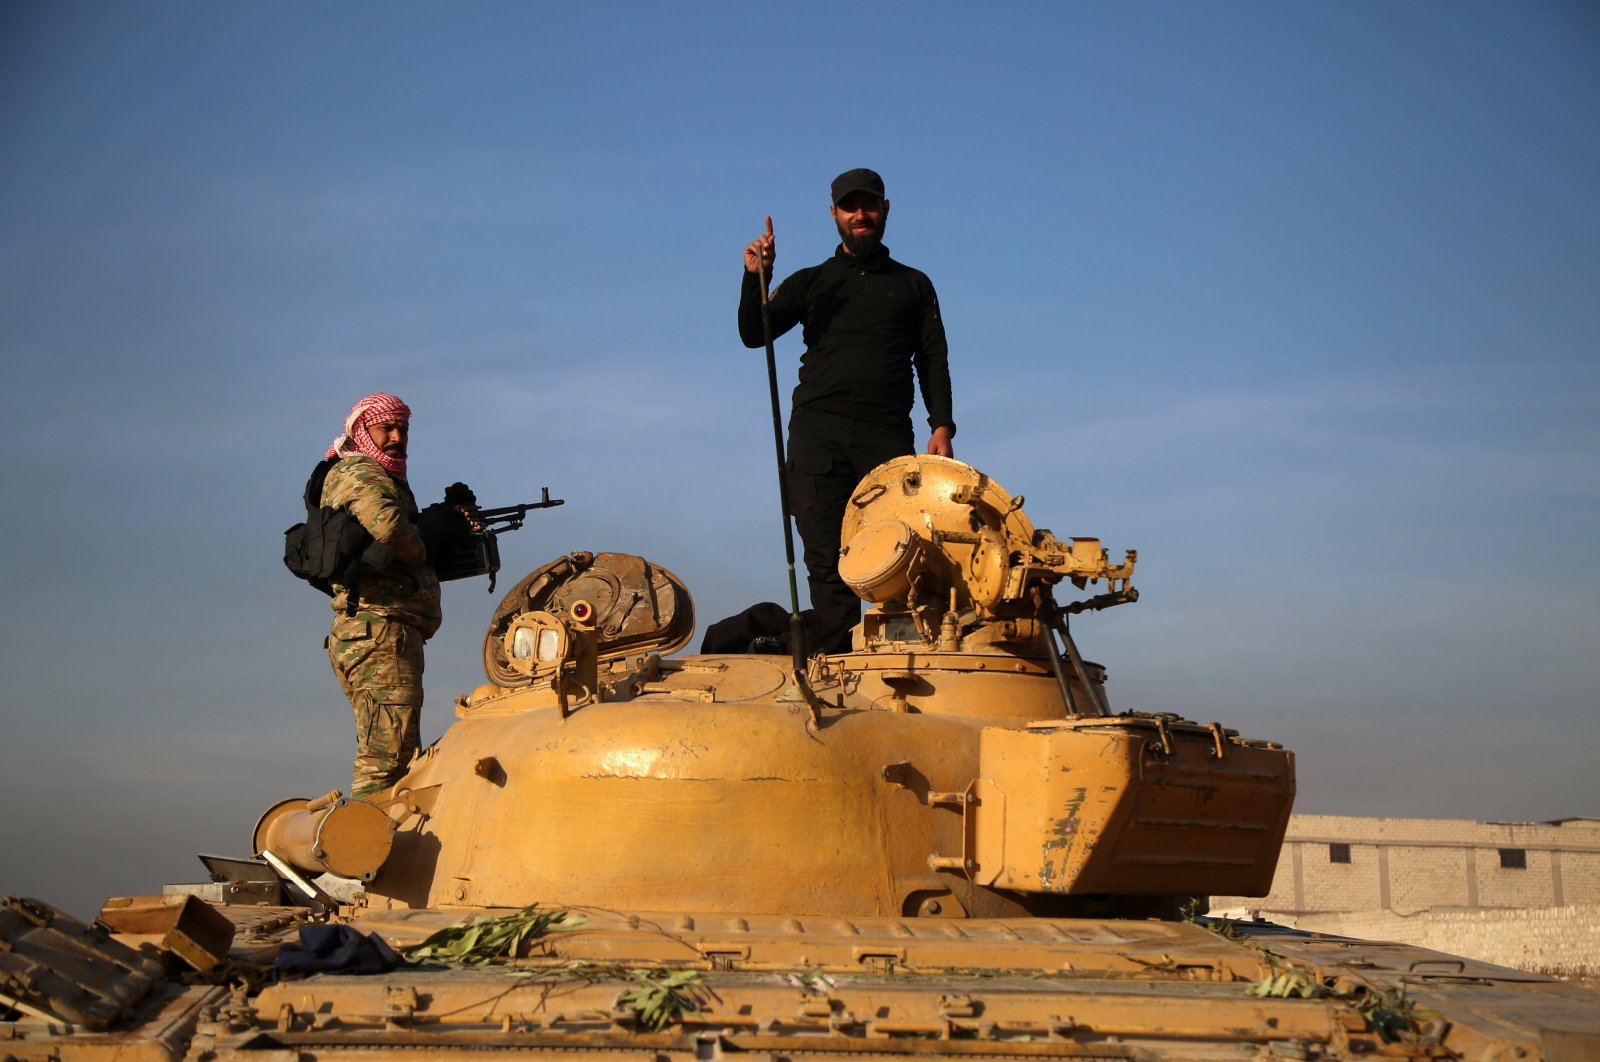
(860, 217)
(378, 427)
(390, 436)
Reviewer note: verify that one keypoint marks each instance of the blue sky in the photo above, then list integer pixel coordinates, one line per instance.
(1302, 301)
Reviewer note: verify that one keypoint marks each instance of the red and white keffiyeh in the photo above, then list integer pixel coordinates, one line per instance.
(373, 409)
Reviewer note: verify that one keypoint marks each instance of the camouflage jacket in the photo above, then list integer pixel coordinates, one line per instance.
(407, 590)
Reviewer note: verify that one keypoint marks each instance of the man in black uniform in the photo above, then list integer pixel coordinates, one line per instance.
(868, 322)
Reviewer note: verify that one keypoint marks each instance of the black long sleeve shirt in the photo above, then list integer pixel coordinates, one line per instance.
(868, 324)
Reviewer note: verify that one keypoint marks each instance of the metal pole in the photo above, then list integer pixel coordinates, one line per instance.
(1042, 607)
(797, 630)
(1077, 664)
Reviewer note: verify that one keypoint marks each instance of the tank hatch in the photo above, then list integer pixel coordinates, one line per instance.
(634, 607)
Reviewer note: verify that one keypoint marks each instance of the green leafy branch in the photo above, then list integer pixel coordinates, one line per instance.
(1189, 911)
(485, 938)
(1389, 1012)
(664, 996)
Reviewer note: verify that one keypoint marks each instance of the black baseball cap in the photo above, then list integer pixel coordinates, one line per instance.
(859, 180)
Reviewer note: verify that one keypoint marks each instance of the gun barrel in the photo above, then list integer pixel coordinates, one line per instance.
(511, 516)
(519, 511)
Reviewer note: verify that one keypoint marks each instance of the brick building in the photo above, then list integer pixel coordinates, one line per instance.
(1524, 894)
(1334, 863)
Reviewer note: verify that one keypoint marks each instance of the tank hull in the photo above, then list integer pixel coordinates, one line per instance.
(780, 987)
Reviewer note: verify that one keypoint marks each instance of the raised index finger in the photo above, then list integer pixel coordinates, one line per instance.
(769, 226)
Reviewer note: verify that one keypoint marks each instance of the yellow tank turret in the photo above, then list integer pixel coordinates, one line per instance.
(957, 761)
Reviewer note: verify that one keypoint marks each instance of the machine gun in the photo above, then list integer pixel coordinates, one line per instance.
(511, 515)
(475, 551)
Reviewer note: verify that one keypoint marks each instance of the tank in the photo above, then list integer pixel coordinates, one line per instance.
(943, 842)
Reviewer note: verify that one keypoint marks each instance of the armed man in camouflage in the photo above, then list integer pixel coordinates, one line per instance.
(376, 642)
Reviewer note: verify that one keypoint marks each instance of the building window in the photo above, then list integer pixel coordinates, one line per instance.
(1338, 853)
(1514, 858)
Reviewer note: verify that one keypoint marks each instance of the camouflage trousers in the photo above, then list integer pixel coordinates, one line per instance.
(378, 662)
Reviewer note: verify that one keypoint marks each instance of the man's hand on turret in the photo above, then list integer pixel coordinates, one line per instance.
(761, 252)
(939, 442)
